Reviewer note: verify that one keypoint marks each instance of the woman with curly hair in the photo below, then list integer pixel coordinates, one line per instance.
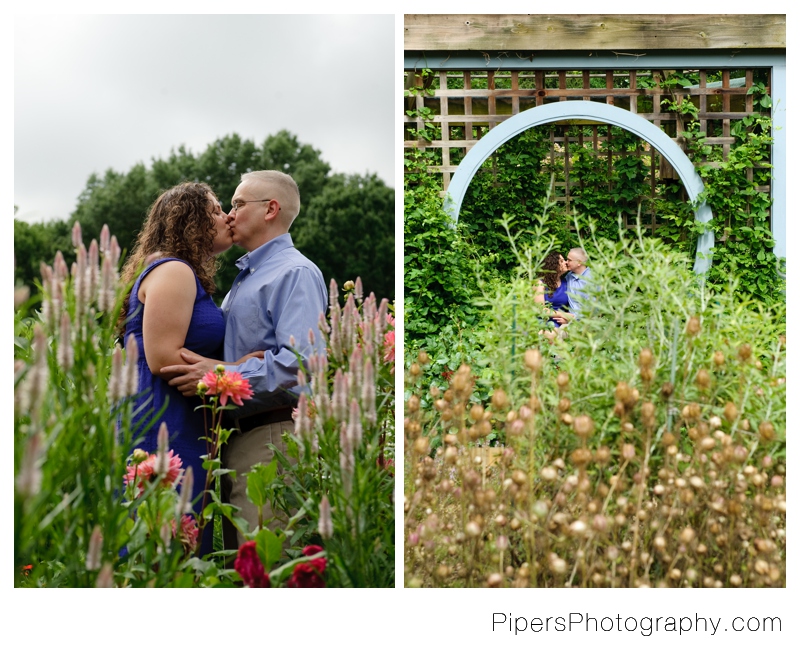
(552, 292)
(169, 307)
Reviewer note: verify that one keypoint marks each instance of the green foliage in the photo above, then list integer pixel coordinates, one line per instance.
(77, 523)
(122, 201)
(437, 281)
(349, 228)
(35, 242)
(664, 400)
(343, 446)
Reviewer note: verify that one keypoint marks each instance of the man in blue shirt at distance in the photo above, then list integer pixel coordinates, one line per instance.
(274, 305)
(578, 278)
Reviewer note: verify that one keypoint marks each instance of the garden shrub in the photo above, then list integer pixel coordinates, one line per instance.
(90, 510)
(645, 449)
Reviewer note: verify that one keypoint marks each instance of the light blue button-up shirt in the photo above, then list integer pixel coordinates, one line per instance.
(576, 290)
(278, 294)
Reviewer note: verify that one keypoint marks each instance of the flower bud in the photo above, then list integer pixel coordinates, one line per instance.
(325, 524)
(95, 552)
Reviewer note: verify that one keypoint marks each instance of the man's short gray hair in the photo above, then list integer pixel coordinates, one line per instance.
(580, 254)
(282, 186)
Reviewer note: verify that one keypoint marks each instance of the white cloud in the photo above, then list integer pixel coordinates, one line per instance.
(99, 92)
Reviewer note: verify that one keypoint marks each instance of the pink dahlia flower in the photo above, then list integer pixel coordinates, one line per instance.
(187, 532)
(145, 471)
(227, 385)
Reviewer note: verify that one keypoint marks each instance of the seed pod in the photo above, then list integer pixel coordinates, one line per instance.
(703, 379)
(766, 431)
(730, 411)
(745, 351)
(602, 455)
(622, 392)
(423, 358)
(646, 374)
(666, 390)
(693, 326)
(563, 381)
(648, 413)
(412, 404)
(473, 529)
(414, 370)
(687, 535)
(583, 426)
(548, 474)
(628, 451)
(499, 399)
(581, 457)
(519, 477)
(422, 445)
(719, 359)
(533, 360)
(646, 357)
(476, 412)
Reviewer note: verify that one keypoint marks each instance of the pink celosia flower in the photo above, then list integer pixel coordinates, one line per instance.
(145, 471)
(227, 385)
(309, 574)
(388, 343)
(250, 567)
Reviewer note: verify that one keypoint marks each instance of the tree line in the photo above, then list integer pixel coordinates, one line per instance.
(346, 222)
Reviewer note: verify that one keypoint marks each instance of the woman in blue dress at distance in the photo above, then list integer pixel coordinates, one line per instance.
(169, 308)
(552, 292)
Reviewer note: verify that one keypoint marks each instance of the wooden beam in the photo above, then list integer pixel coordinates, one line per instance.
(617, 32)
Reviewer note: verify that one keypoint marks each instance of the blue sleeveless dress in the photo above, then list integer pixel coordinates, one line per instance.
(558, 301)
(205, 337)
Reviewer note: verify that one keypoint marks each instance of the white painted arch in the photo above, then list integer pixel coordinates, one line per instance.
(584, 110)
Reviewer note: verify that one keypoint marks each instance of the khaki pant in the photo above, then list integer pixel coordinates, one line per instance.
(241, 453)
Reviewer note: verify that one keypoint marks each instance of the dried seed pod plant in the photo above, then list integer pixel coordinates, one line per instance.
(647, 448)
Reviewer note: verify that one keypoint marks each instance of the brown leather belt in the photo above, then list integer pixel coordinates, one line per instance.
(266, 418)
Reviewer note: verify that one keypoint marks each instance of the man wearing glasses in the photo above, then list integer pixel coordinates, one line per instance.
(578, 278)
(274, 305)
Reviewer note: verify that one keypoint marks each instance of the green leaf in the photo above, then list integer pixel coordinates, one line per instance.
(268, 547)
(258, 479)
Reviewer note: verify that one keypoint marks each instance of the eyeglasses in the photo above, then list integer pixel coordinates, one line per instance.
(238, 204)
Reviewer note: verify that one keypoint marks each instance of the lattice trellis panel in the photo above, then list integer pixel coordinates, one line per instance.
(464, 105)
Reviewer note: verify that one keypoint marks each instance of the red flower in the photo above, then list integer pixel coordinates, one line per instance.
(250, 568)
(309, 573)
(227, 385)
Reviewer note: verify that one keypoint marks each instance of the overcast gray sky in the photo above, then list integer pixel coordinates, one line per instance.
(97, 92)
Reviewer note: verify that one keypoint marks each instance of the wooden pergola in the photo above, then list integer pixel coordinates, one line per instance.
(477, 71)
